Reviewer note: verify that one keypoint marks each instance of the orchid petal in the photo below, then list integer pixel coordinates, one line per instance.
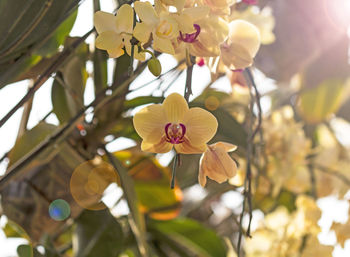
(146, 12)
(163, 45)
(201, 126)
(149, 123)
(187, 147)
(142, 32)
(175, 107)
(108, 40)
(161, 147)
(104, 21)
(125, 19)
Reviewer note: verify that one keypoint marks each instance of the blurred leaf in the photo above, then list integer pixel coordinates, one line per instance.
(125, 128)
(30, 140)
(100, 58)
(187, 172)
(128, 186)
(59, 101)
(189, 236)
(97, 234)
(59, 36)
(229, 130)
(24, 26)
(24, 251)
(152, 184)
(114, 108)
(317, 104)
(141, 100)
(9, 74)
(11, 229)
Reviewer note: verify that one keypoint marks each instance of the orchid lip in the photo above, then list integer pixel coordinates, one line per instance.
(175, 133)
(190, 37)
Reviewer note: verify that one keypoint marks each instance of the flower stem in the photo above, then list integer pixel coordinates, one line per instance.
(173, 175)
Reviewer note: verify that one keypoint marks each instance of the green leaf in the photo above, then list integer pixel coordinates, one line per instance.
(59, 102)
(24, 26)
(98, 234)
(317, 104)
(30, 140)
(189, 236)
(141, 100)
(11, 229)
(57, 39)
(100, 58)
(24, 251)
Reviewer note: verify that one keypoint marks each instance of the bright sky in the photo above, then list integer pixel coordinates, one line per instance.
(333, 209)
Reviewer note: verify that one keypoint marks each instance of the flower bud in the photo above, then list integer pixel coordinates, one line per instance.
(154, 66)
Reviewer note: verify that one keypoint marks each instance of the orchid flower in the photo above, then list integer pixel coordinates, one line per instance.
(115, 32)
(173, 124)
(241, 46)
(216, 164)
(162, 26)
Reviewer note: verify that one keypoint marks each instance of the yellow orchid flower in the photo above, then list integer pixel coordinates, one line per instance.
(173, 124)
(162, 26)
(241, 46)
(216, 164)
(115, 32)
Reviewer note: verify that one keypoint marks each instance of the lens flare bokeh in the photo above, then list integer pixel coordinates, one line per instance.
(89, 181)
(59, 210)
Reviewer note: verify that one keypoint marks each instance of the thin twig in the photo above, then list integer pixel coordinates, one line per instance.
(172, 184)
(25, 115)
(257, 101)
(45, 75)
(334, 173)
(249, 155)
(188, 87)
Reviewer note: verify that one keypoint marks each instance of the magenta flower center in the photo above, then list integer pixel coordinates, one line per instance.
(190, 37)
(175, 133)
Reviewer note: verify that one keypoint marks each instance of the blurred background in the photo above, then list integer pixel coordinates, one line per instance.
(66, 199)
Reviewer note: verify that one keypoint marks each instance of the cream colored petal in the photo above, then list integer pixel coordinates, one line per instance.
(218, 165)
(187, 148)
(108, 40)
(142, 32)
(104, 21)
(235, 56)
(125, 19)
(201, 126)
(246, 35)
(179, 4)
(116, 52)
(197, 13)
(185, 23)
(163, 45)
(150, 123)
(175, 107)
(160, 147)
(226, 146)
(221, 159)
(146, 13)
